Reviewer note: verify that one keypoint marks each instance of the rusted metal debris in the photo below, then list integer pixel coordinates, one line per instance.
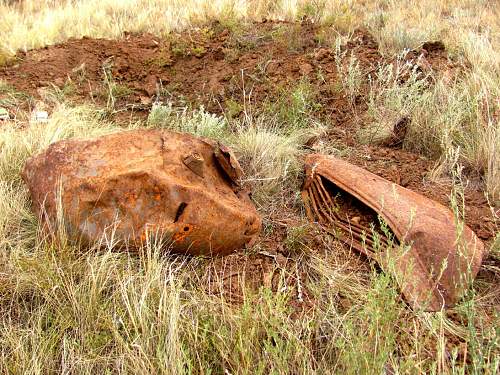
(228, 163)
(443, 258)
(133, 185)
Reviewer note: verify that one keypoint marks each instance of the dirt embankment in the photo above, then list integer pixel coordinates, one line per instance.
(210, 66)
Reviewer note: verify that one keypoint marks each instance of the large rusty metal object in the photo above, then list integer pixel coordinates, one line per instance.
(433, 257)
(135, 184)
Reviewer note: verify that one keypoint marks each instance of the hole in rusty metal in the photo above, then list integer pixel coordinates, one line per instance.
(186, 229)
(356, 223)
(180, 211)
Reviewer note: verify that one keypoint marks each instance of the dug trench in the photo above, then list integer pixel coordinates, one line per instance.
(223, 68)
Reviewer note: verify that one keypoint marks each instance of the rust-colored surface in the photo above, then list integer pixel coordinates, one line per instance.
(134, 184)
(443, 257)
(228, 163)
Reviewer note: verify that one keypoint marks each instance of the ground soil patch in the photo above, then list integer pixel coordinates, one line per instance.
(208, 66)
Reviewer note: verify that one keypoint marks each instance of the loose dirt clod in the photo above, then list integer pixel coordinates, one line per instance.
(132, 185)
(435, 270)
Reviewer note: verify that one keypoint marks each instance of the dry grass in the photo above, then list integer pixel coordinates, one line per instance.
(70, 310)
(462, 24)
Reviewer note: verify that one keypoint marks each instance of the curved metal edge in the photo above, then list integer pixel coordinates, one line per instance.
(415, 219)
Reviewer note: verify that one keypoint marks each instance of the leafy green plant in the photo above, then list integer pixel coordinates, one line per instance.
(294, 106)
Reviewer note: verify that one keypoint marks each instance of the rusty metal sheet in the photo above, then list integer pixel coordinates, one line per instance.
(434, 258)
(228, 163)
(135, 184)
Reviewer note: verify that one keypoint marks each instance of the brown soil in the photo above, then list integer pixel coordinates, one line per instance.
(215, 67)
(206, 67)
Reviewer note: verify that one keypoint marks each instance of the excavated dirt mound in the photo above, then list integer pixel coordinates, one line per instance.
(209, 66)
(221, 68)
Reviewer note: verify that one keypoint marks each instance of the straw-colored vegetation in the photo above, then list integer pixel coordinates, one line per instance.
(65, 309)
